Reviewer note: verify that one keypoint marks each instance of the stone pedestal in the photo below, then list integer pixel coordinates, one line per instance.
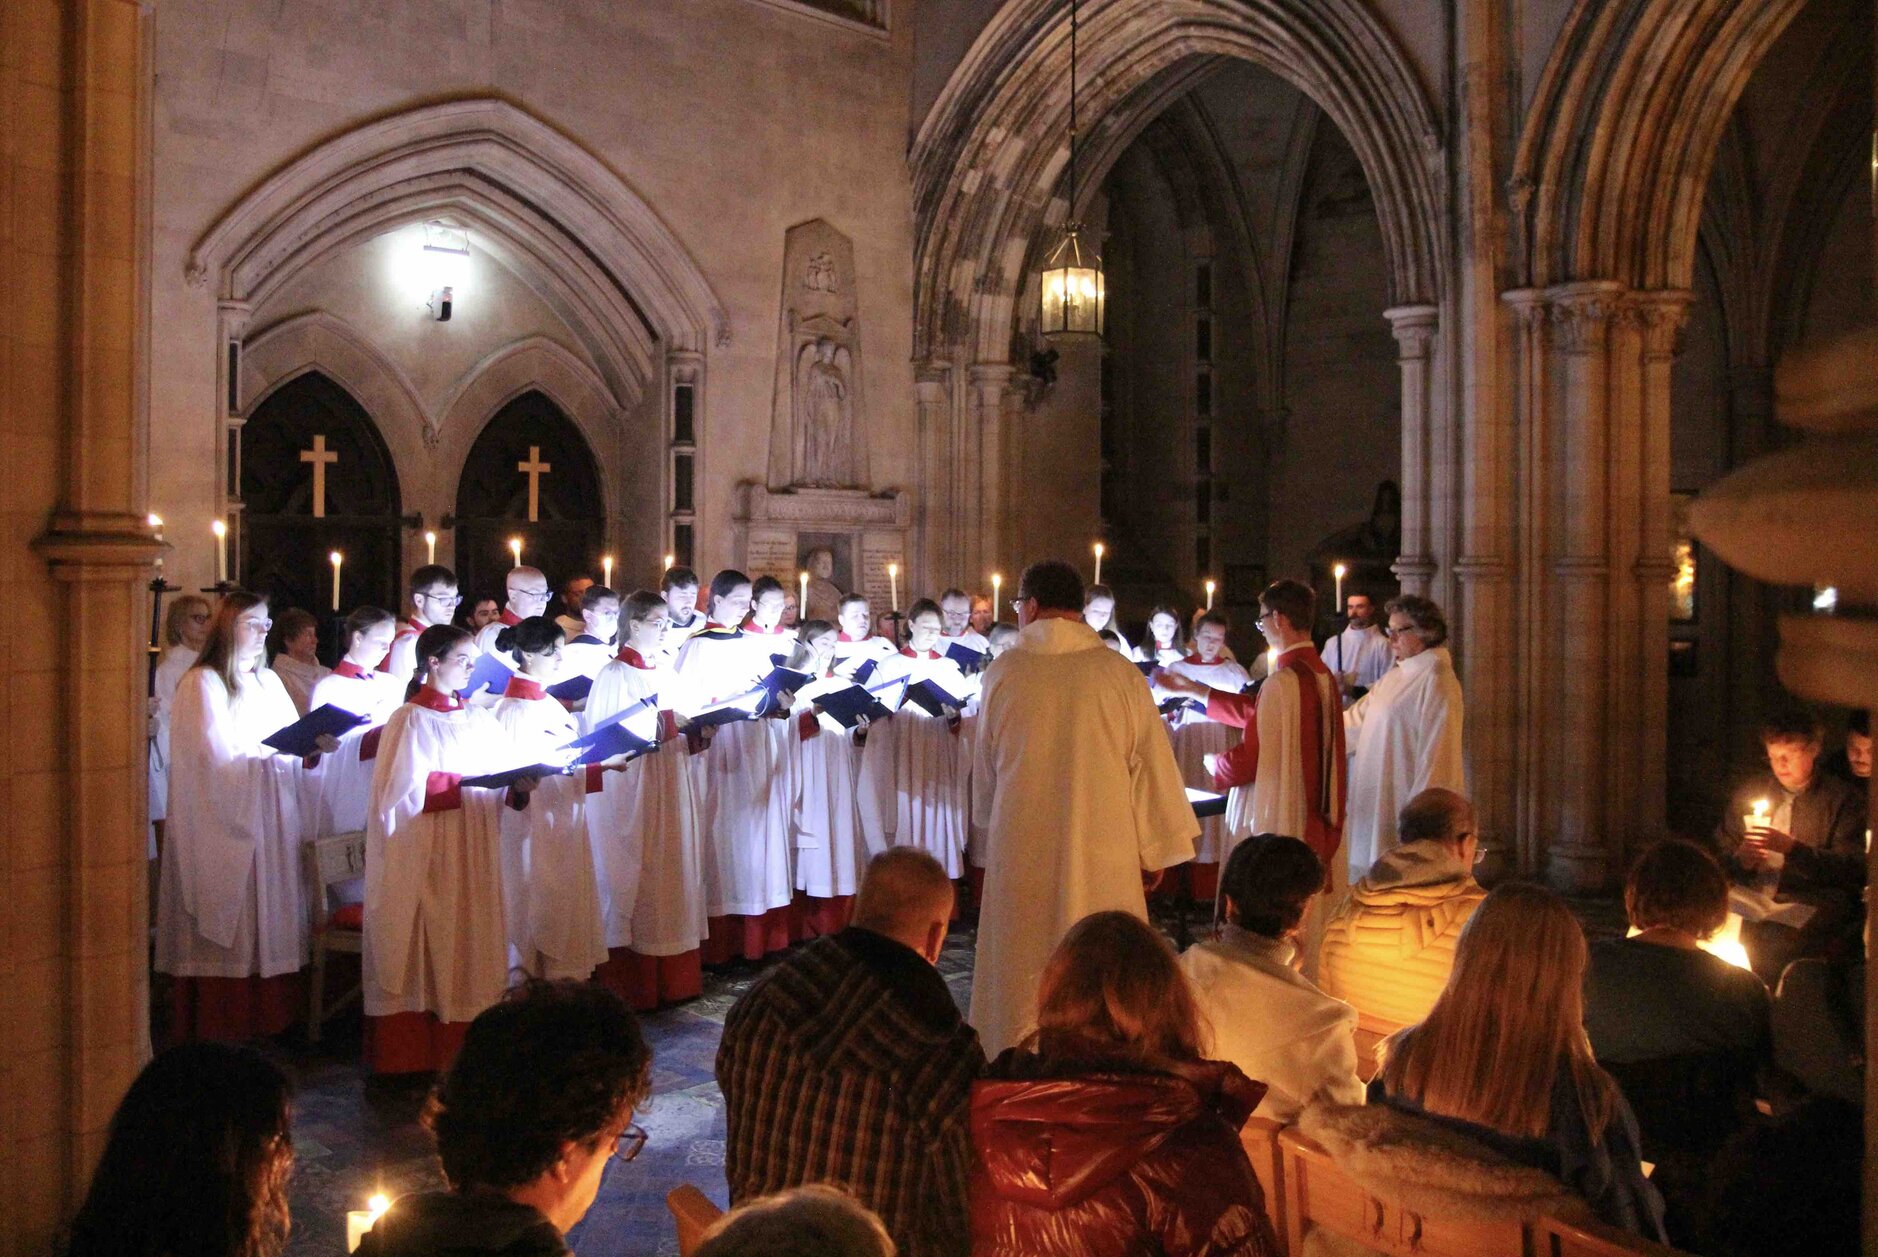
(866, 531)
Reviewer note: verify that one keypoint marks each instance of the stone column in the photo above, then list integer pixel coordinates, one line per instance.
(1415, 327)
(983, 475)
(73, 988)
(933, 396)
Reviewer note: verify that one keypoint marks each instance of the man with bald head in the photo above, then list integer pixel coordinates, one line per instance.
(528, 593)
(848, 1063)
(1390, 945)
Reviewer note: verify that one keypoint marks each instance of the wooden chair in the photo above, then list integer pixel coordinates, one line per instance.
(330, 862)
(1583, 1237)
(1260, 1137)
(1371, 1030)
(1319, 1196)
(693, 1212)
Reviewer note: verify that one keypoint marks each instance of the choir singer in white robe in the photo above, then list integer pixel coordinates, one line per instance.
(231, 912)
(1405, 734)
(185, 628)
(353, 685)
(1076, 786)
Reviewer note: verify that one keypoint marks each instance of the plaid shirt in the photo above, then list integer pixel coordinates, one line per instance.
(849, 1064)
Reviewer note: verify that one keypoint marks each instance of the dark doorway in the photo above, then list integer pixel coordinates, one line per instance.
(286, 546)
(493, 495)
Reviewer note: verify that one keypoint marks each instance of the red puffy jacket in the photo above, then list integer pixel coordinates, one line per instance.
(1105, 1159)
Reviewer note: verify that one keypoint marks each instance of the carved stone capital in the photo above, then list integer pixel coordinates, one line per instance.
(1661, 316)
(1580, 315)
(931, 382)
(1414, 327)
(233, 317)
(1528, 306)
(1410, 567)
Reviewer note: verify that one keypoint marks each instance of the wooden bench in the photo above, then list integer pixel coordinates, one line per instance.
(694, 1213)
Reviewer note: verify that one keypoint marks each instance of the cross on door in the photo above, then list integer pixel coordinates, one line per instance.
(319, 456)
(534, 469)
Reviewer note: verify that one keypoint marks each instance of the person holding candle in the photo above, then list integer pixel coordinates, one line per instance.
(231, 912)
(434, 600)
(645, 829)
(296, 661)
(436, 951)
(1359, 654)
(356, 686)
(526, 1120)
(1198, 738)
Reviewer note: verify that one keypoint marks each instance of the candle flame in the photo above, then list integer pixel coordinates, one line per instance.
(219, 528)
(1761, 808)
(669, 560)
(337, 558)
(156, 520)
(430, 538)
(893, 569)
(1098, 548)
(378, 1203)
(1339, 571)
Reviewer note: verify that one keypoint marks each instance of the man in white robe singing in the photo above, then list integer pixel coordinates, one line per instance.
(1075, 784)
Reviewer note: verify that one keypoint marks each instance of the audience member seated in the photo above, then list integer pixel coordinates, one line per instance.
(1819, 1026)
(196, 1161)
(854, 1048)
(537, 1102)
(812, 1221)
(1683, 1032)
(1503, 1058)
(1789, 1186)
(1269, 1019)
(1107, 1132)
(1851, 763)
(1810, 850)
(1390, 944)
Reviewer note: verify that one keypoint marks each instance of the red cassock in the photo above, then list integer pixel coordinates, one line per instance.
(1292, 758)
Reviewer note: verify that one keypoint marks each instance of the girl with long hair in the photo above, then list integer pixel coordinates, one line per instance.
(231, 916)
(1503, 1056)
(1107, 1131)
(356, 685)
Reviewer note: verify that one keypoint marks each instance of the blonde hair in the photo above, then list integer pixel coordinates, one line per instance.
(1113, 983)
(1513, 1009)
(178, 615)
(218, 650)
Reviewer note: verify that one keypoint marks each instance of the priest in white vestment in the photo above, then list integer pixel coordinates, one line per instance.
(1076, 786)
(1405, 734)
(1360, 654)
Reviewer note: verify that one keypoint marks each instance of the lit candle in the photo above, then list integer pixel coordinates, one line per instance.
(1210, 587)
(893, 586)
(997, 597)
(430, 547)
(1338, 571)
(1757, 818)
(606, 570)
(337, 559)
(802, 596)
(1098, 554)
(669, 560)
(220, 529)
(359, 1221)
(515, 548)
(156, 522)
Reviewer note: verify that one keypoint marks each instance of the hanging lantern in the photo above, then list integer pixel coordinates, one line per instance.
(1071, 292)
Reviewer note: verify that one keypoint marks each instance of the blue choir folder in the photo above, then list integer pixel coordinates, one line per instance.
(509, 776)
(782, 679)
(850, 705)
(965, 657)
(631, 732)
(572, 690)
(302, 736)
(866, 670)
(1148, 667)
(932, 697)
(1206, 803)
(745, 706)
(490, 673)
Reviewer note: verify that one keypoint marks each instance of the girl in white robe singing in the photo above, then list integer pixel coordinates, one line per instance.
(745, 787)
(553, 902)
(1196, 737)
(830, 849)
(356, 685)
(231, 916)
(436, 945)
(185, 628)
(913, 772)
(1163, 644)
(644, 828)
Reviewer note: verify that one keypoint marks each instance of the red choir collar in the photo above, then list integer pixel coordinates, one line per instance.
(1195, 659)
(524, 687)
(712, 626)
(508, 618)
(910, 653)
(346, 668)
(843, 637)
(633, 659)
(436, 700)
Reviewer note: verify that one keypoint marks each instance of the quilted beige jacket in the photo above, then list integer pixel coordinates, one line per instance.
(1390, 944)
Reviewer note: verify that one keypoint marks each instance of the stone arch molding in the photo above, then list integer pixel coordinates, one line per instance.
(322, 342)
(543, 205)
(989, 157)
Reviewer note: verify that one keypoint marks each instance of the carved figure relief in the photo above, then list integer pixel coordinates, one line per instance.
(818, 413)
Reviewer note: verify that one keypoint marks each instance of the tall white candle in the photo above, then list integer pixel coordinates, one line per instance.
(997, 597)
(337, 559)
(802, 596)
(220, 529)
(359, 1221)
(606, 570)
(893, 586)
(156, 522)
(669, 560)
(1339, 570)
(430, 547)
(1209, 595)
(1098, 554)
(515, 548)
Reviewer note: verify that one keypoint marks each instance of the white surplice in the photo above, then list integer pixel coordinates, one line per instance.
(299, 679)
(345, 788)
(1196, 737)
(435, 935)
(401, 660)
(913, 773)
(831, 849)
(169, 673)
(1076, 786)
(551, 894)
(231, 900)
(648, 844)
(1358, 657)
(1404, 736)
(744, 782)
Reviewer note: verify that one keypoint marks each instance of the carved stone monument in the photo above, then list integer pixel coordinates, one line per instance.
(817, 419)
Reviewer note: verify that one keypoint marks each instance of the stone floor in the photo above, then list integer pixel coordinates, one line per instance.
(353, 1137)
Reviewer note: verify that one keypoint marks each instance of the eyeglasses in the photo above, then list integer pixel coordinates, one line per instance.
(630, 1142)
(1264, 616)
(1393, 630)
(1017, 605)
(262, 625)
(528, 593)
(448, 600)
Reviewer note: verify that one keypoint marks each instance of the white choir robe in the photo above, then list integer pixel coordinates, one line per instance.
(913, 778)
(435, 936)
(644, 825)
(831, 851)
(486, 645)
(850, 655)
(550, 889)
(299, 679)
(584, 656)
(345, 789)
(676, 635)
(1164, 655)
(1195, 737)
(401, 660)
(1076, 786)
(169, 673)
(231, 900)
(1404, 736)
(971, 639)
(1358, 656)
(745, 786)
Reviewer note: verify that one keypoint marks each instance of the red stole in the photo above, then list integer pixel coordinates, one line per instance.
(1321, 736)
